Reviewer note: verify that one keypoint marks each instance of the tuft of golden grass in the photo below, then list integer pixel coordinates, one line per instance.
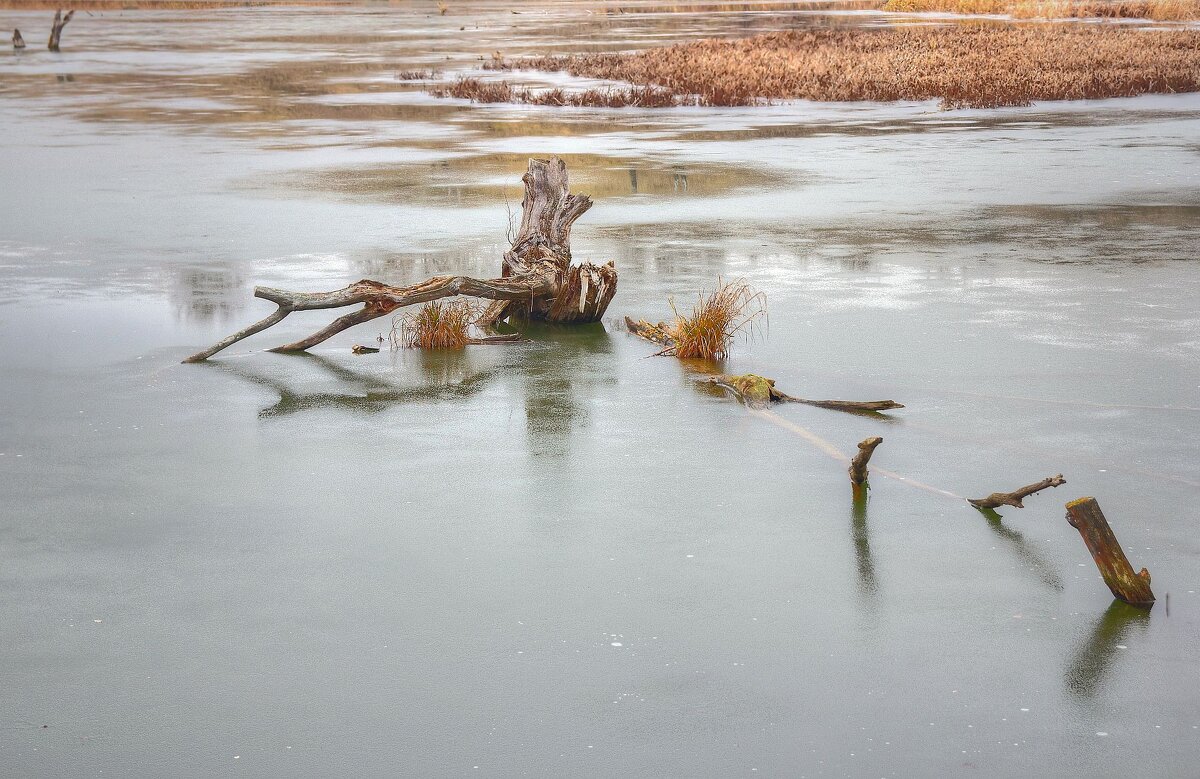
(439, 324)
(1157, 10)
(718, 317)
(977, 66)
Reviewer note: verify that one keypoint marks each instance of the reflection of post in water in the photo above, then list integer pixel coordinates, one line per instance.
(365, 392)
(867, 582)
(1094, 658)
(1031, 557)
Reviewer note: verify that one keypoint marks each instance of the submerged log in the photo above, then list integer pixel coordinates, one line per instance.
(858, 466)
(658, 333)
(537, 278)
(56, 29)
(997, 499)
(18, 41)
(760, 391)
(1085, 516)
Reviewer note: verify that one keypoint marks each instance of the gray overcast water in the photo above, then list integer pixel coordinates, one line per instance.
(558, 557)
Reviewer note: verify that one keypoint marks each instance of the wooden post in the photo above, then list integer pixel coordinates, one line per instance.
(18, 41)
(1085, 516)
(858, 466)
(60, 22)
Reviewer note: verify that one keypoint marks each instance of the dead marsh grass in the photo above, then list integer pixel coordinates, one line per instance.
(977, 66)
(439, 324)
(479, 91)
(707, 332)
(1155, 10)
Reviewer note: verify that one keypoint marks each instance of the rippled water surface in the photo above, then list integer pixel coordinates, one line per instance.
(559, 557)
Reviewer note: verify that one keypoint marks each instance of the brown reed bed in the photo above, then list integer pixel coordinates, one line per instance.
(479, 91)
(439, 324)
(1154, 10)
(976, 66)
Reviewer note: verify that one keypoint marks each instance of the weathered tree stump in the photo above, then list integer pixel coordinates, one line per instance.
(1085, 516)
(760, 391)
(997, 499)
(537, 280)
(18, 41)
(56, 29)
(858, 466)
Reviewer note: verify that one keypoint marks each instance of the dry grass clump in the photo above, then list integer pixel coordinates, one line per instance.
(964, 66)
(707, 332)
(439, 324)
(1157, 10)
(479, 91)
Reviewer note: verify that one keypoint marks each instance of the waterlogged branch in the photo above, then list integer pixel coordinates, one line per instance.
(538, 278)
(760, 391)
(997, 499)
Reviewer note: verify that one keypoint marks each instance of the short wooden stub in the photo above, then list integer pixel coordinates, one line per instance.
(1085, 516)
(18, 41)
(858, 466)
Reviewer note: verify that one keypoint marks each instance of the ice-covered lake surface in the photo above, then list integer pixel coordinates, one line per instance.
(559, 557)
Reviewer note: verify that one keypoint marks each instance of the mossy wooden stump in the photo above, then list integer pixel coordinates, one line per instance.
(1085, 516)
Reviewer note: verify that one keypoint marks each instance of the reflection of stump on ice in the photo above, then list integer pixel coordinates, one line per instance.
(537, 282)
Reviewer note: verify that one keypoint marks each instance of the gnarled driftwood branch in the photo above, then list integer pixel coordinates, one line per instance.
(56, 29)
(997, 499)
(537, 279)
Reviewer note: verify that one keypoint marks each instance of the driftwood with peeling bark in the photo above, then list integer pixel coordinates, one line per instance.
(537, 279)
(997, 499)
(60, 22)
(18, 41)
(760, 391)
(858, 466)
(1085, 516)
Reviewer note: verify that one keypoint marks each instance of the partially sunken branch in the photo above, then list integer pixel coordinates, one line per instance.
(538, 280)
(997, 499)
(760, 391)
